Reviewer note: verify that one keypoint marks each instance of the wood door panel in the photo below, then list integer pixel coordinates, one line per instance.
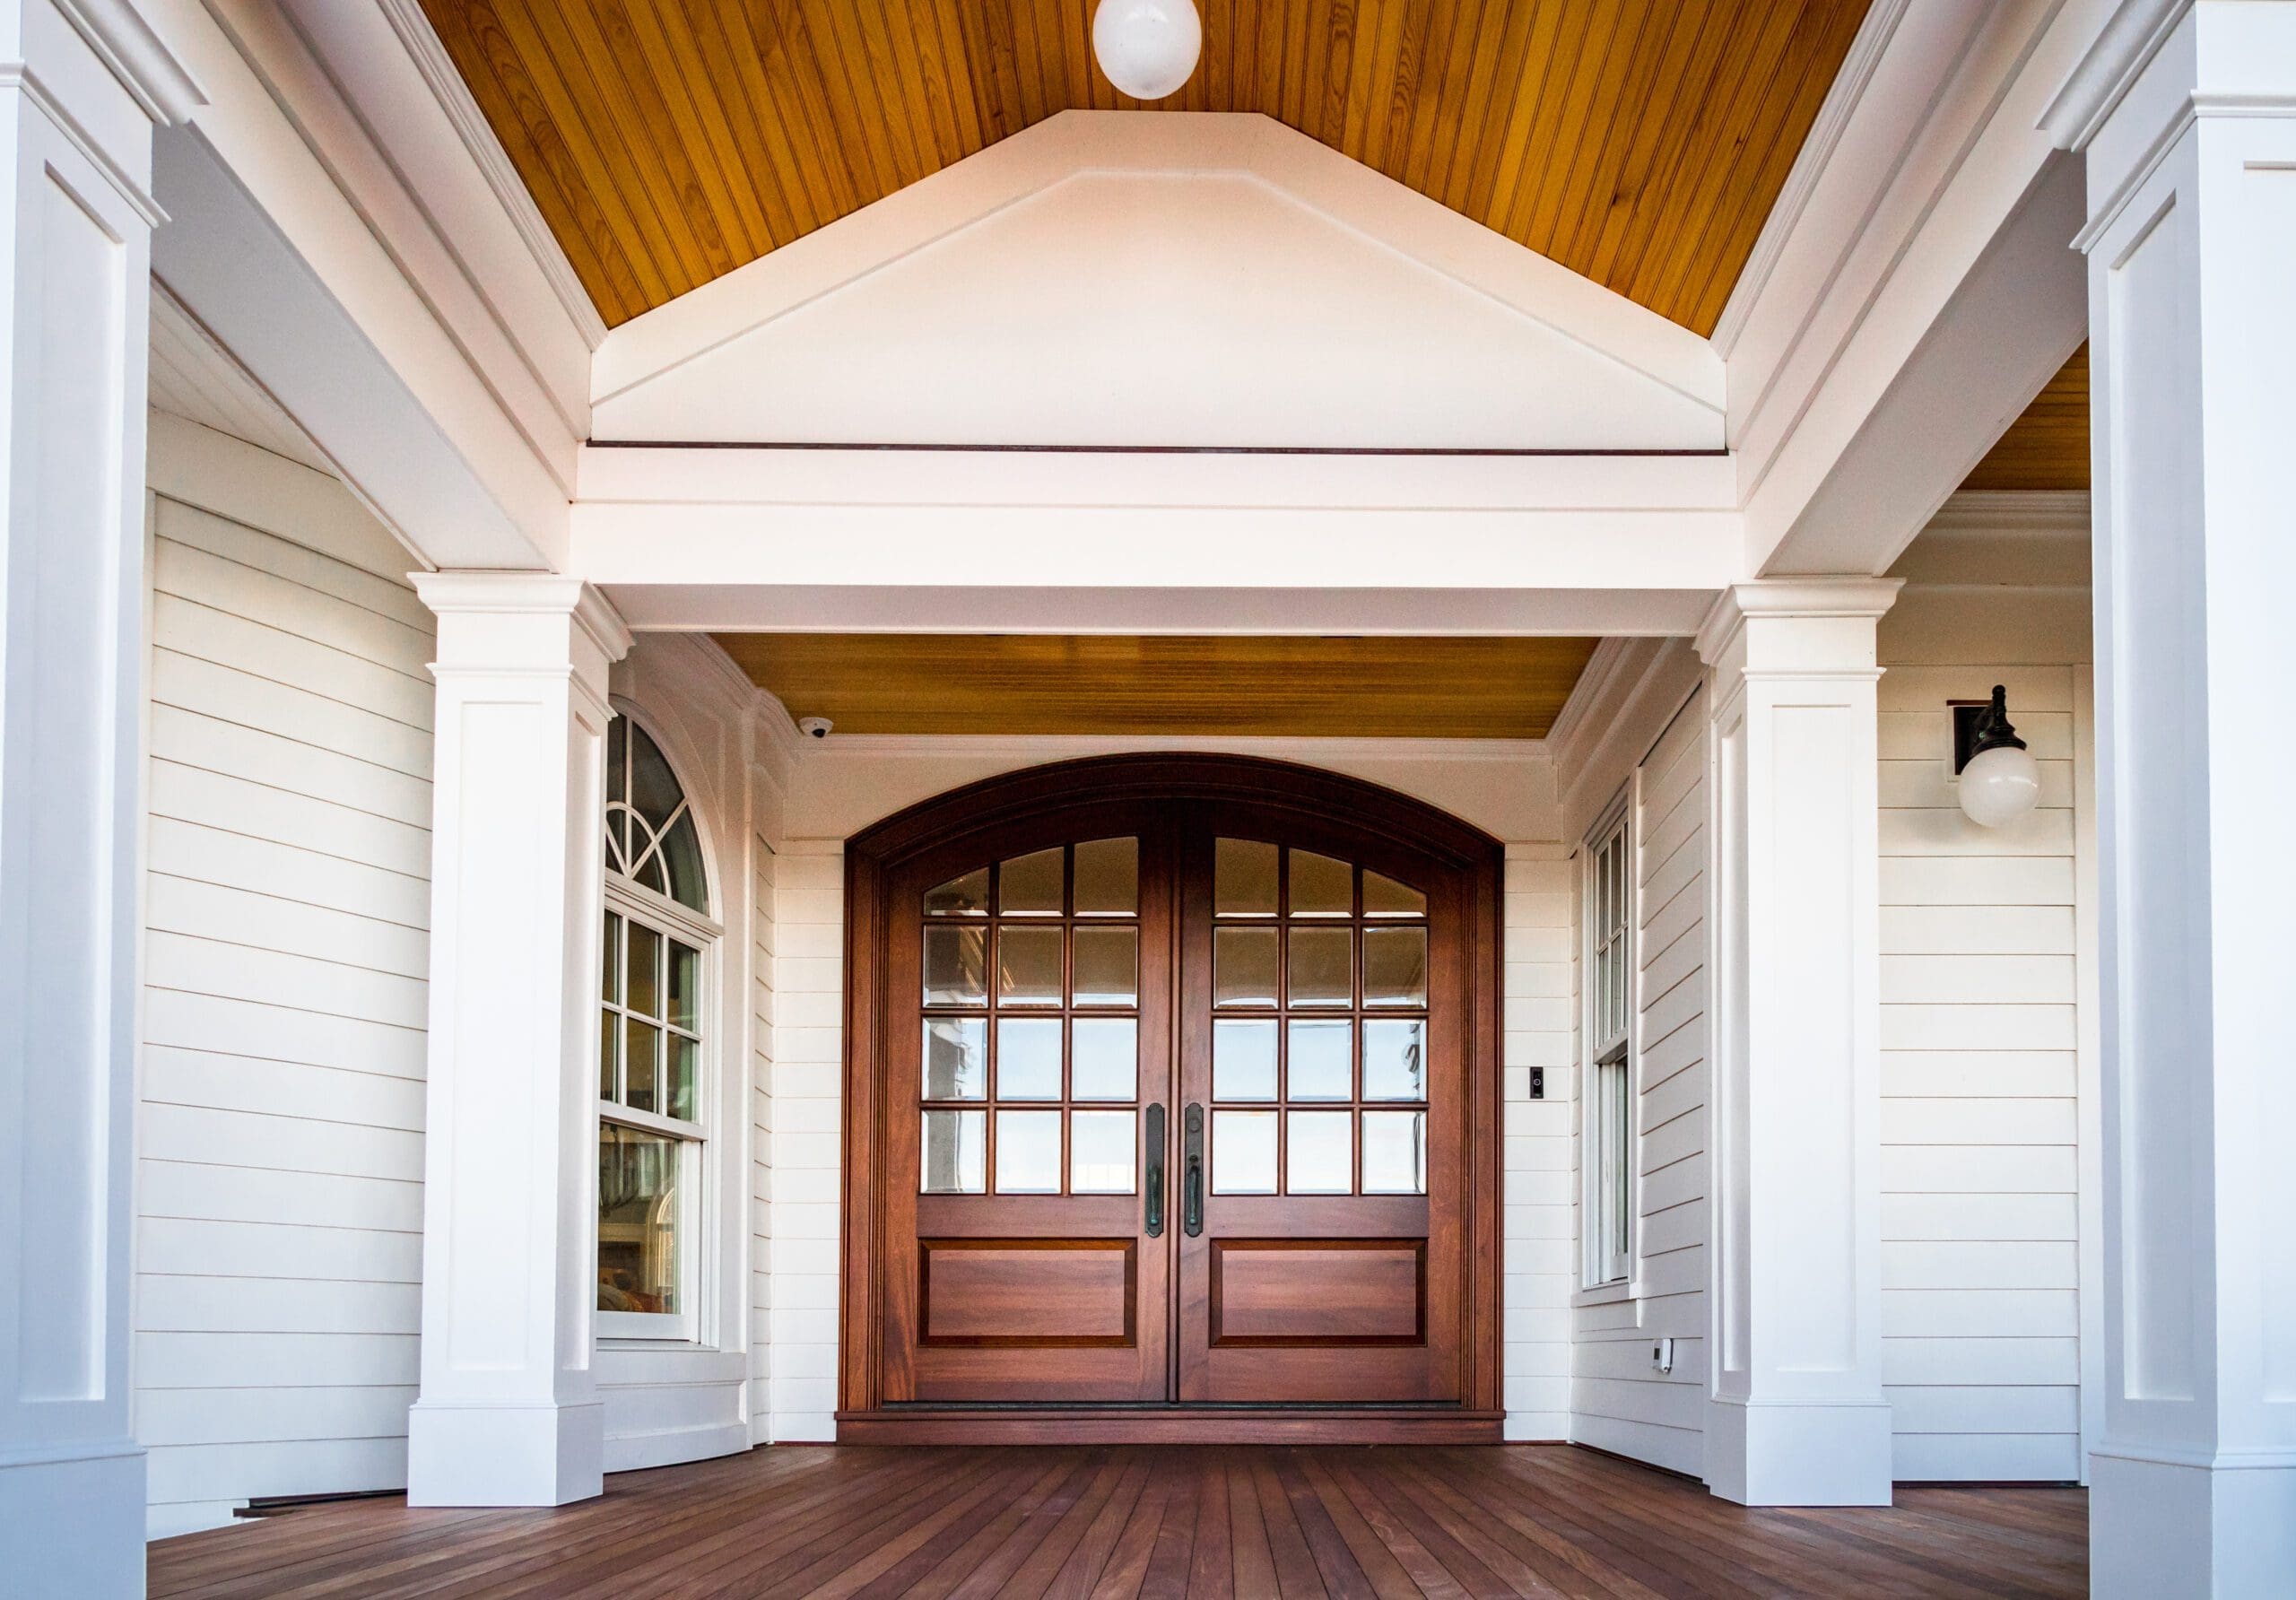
(1359, 1270)
(1297, 1293)
(1041, 1293)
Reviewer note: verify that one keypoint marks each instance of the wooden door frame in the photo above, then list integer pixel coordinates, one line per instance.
(871, 857)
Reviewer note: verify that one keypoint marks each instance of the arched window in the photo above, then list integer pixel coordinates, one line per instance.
(652, 1043)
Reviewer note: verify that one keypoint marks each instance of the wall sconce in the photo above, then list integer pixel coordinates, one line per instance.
(2000, 780)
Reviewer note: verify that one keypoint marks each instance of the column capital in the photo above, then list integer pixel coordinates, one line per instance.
(522, 623)
(1792, 599)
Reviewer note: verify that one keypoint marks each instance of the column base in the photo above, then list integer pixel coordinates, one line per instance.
(1799, 1453)
(91, 1508)
(501, 1454)
(2220, 1530)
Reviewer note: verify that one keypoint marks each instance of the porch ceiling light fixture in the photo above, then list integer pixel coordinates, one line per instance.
(2000, 780)
(1147, 47)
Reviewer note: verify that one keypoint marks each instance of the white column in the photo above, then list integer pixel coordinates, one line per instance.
(82, 87)
(1796, 1415)
(510, 1412)
(2186, 114)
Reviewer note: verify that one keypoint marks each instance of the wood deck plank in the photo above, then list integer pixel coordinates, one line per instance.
(1155, 1522)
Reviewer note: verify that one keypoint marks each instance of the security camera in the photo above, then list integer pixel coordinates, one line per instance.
(816, 727)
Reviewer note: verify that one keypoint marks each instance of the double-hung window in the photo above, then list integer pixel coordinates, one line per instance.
(652, 1045)
(1608, 1125)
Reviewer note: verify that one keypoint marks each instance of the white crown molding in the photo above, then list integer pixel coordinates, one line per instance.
(159, 83)
(2109, 68)
(445, 81)
(1841, 101)
(1613, 657)
(1995, 511)
(527, 594)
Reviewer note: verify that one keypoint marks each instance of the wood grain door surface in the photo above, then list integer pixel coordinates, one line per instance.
(1176, 1113)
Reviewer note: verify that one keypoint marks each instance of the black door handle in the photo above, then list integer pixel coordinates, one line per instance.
(1192, 1201)
(1155, 1184)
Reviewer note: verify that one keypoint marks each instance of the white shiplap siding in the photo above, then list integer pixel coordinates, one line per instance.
(808, 1087)
(279, 1241)
(1981, 1172)
(761, 1374)
(1537, 1317)
(1619, 1401)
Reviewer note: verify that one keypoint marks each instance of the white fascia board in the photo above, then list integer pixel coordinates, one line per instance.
(1387, 217)
(1941, 150)
(1114, 542)
(285, 269)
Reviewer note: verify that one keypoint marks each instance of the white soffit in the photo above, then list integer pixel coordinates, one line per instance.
(1117, 279)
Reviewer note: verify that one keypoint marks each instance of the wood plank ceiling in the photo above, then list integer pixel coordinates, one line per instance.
(1439, 687)
(2048, 446)
(1640, 143)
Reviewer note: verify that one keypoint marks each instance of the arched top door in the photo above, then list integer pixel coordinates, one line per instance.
(1172, 1080)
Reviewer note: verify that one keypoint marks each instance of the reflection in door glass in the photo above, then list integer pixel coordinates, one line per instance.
(1028, 1058)
(1106, 1058)
(1099, 1152)
(1030, 885)
(1028, 1153)
(1318, 1160)
(955, 1153)
(1394, 1059)
(956, 1058)
(1107, 964)
(1243, 1153)
(956, 966)
(1243, 966)
(1394, 966)
(1320, 886)
(1028, 965)
(1243, 878)
(1243, 1060)
(1321, 1065)
(1394, 1152)
(1321, 967)
(1107, 877)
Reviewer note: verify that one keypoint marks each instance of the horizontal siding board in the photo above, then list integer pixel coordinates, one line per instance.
(203, 1134)
(166, 1417)
(272, 1467)
(1987, 1408)
(1987, 1457)
(202, 633)
(291, 710)
(183, 1246)
(276, 1306)
(274, 977)
(230, 1027)
(214, 743)
(245, 918)
(1978, 1359)
(1979, 1217)
(320, 577)
(258, 1194)
(1977, 930)
(176, 1076)
(231, 803)
(241, 1362)
(198, 853)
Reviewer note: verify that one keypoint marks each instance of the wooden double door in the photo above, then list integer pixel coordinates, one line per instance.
(1177, 1107)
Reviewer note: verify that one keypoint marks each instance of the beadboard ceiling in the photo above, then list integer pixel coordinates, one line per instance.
(2047, 447)
(1372, 688)
(1641, 143)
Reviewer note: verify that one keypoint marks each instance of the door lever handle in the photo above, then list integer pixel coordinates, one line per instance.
(1155, 1186)
(1192, 1197)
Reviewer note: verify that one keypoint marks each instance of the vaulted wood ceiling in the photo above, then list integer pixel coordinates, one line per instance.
(1429, 688)
(2048, 446)
(1641, 143)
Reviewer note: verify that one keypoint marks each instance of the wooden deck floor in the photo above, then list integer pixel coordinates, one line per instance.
(802, 1519)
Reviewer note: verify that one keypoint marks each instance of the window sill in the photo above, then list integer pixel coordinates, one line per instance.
(1606, 1294)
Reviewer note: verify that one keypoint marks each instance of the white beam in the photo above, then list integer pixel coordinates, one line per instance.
(268, 250)
(1918, 298)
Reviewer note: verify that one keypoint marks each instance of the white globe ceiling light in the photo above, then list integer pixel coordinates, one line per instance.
(1147, 47)
(2000, 781)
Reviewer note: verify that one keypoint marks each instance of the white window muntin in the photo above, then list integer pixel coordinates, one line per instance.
(1607, 1100)
(636, 903)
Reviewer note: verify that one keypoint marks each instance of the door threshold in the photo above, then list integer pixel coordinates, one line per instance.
(1225, 1424)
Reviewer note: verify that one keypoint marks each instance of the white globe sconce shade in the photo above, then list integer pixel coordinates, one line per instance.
(1147, 47)
(2000, 781)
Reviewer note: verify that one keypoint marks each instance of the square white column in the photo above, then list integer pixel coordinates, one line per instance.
(1795, 1414)
(509, 1413)
(80, 91)
(2186, 117)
